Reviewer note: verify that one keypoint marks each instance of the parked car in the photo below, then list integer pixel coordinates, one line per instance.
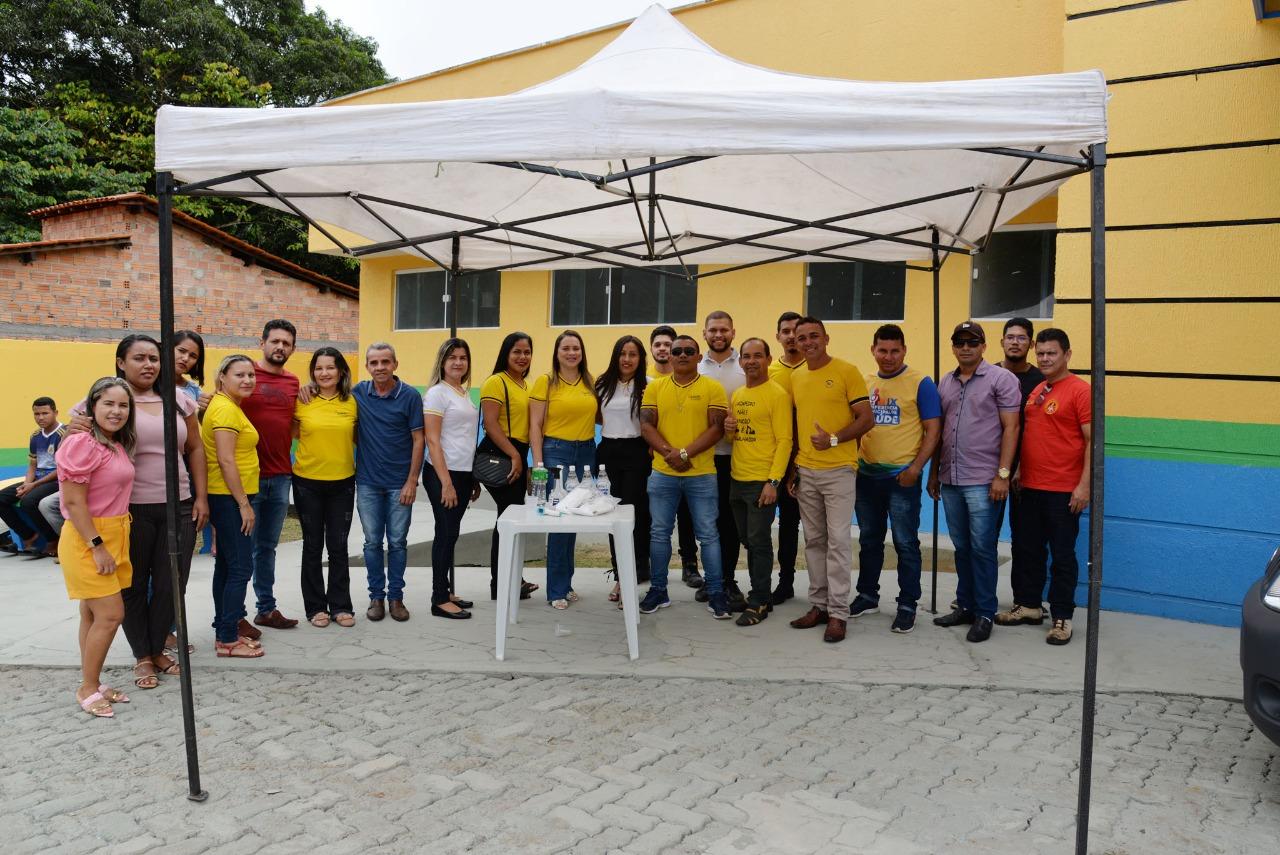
(1260, 650)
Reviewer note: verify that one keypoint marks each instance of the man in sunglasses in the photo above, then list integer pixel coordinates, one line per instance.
(660, 341)
(1053, 479)
(682, 418)
(970, 472)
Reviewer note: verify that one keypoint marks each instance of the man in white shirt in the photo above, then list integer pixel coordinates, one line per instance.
(720, 363)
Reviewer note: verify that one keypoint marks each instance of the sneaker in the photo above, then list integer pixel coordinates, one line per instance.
(701, 594)
(654, 600)
(863, 606)
(904, 622)
(980, 631)
(737, 602)
(1019, 615)
(691, 577)
(718, 605)
(1060, 633)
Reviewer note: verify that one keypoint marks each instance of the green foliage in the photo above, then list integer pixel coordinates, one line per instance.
(90, 75)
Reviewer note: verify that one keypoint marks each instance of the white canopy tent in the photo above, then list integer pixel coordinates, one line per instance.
(661, 151)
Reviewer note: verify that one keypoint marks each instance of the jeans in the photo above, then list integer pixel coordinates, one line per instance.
(665, 493)
(270, 507)
(788, 536)
(448, 525)
(882, 501)
(579, 456)
(974, 523)
(324, 510)
(504, 497)
(232, 568)
(148, 601)
(629, 463)
(684, 528)
(382, 515)
(725, 524)
(1046, 526)
(29, 522)
(755, 529)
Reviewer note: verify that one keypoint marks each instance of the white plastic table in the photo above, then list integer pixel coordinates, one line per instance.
(519, 520)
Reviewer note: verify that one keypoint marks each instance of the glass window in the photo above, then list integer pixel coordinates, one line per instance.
(1013, 275)
(623, 296)
(856, 291)
(420, 300)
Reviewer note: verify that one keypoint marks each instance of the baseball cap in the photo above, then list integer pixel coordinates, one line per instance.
(969, 329)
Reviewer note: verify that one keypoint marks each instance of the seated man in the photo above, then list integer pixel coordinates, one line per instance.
(20, 503)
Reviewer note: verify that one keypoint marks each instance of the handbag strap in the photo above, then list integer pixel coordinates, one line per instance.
(506, 393)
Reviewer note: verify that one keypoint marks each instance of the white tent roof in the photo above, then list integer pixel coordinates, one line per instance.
(796, 147)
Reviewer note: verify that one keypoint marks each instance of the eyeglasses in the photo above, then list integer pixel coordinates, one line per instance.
(1017, 338)
(684, 351)
(1048, 387)
(966, 342)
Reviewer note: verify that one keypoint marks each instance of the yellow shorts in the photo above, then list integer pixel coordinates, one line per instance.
(84, 582)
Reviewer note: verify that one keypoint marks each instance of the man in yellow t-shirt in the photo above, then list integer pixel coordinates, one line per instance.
(682, 417)
(832, 412)
(780, 370)
(759, 426)
(660, 340)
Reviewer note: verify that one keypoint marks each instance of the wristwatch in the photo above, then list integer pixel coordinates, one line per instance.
(773, 482)
(1003, 472)
(684, 455)
(835, 440)
(97, 540)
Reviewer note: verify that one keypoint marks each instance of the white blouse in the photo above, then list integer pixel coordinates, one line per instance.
(619, 420)
(459, 424)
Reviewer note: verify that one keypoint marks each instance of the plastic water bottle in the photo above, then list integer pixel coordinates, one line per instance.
(557, 493)
(570, 481)
(539, 477)
(602, 482)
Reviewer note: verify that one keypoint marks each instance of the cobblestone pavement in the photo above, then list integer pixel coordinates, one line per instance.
(442, 763)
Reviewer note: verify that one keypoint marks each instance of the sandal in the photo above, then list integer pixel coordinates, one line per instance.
(113, 696)
(97, 705)
(752, 615)
(527, 589)
(320, 619)
(239, 650)
(249, 642)
(558, 604)
(616, 594)
(344, 619)
(145, 675)
(572, 596)
(173, 669)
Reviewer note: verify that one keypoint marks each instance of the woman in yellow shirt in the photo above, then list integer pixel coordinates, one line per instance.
(231, 445)
(562, 429)
(324, 486)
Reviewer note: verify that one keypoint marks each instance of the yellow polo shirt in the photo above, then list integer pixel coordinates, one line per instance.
(780, 373)
(682, 417)
(824, 396)
(326, 438)
(571, 408)
(500, 389)
(762, 444)
(224, 414)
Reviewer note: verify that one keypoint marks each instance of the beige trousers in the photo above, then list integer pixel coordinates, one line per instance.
(825, 497)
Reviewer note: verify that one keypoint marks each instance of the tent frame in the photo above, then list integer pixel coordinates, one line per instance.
(657, 247)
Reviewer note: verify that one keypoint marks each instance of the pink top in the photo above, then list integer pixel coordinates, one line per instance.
(148, 456)
(107, 471)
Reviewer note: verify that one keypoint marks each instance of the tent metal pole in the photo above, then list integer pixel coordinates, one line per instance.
(653, 210)
(275, 194)
(168, 393)
(1097, 458)
(450, 304)
(937, 366)
(1038, 154)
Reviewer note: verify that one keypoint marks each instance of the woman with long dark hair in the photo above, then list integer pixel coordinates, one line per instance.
(622, 452)
(562, 431)
(324, 486)
(450, 423)
(504, 410)
(188, 366)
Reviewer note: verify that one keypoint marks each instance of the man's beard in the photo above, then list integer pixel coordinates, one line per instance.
(721, 349)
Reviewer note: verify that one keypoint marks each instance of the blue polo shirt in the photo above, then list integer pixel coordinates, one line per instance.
(384, 433)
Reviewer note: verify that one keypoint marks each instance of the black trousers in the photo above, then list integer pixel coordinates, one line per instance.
(788, 536)
(29, 504)
(1045, 527)
(755, 528)
(726, 526)
(324, 510)
(148, 601)
(504, 497)
(628, 463)
(448, 524)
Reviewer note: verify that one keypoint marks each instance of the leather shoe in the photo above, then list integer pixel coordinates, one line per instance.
(275, 620)
(814, 617)
(398, 611)
(248, 630)
(377, 610)
(835, 630)
(980, 631)
(461, 603)
(955, 618)
(461, 614)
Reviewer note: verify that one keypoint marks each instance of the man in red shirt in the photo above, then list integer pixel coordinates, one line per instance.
(1053, 477)
(270, 411)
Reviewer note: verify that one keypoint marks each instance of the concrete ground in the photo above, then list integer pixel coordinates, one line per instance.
(411, 738)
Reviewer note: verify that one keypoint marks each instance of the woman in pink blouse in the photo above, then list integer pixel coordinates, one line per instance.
(95, 477)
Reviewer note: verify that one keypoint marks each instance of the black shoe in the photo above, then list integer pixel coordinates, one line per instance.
(955, 618)
(980, 631)
(905, 622)
(461, 603)
(8, 546)
(439, 612)
(691, 577)
(700, 595)
(737, 602)
(782, 593)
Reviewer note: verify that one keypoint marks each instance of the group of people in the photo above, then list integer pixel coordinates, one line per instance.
(711, 445)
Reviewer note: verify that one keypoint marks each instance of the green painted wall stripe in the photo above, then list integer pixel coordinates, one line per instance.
(13, 457)
(1189, 441)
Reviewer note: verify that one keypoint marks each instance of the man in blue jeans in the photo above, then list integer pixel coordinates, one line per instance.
(682, 417)
(389, 444)
(890, 460)
(980, 405)
(270, 411)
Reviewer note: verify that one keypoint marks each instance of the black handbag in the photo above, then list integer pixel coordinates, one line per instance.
(491, 466)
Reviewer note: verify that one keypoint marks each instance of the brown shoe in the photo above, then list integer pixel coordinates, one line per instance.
(1060, 633)
(398, 611)
(248, 630)
(1019, 615)
(275, 620)
(377, 610)
(814, 617)
(835, 630)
